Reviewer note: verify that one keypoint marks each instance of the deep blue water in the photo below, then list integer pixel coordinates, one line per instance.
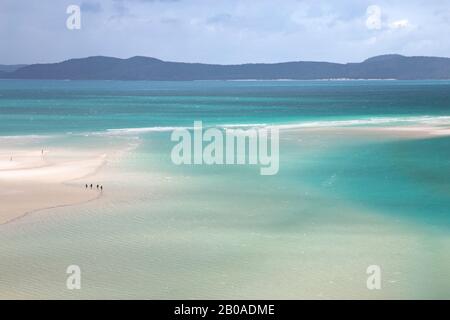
(37, 107)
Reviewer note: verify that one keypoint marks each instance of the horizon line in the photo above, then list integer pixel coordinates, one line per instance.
(223, 64)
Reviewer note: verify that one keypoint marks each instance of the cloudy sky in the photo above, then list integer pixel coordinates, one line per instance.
(224, 31)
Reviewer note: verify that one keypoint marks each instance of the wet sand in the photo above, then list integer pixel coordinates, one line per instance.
(31, 181)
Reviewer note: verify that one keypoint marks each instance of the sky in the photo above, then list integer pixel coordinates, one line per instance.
(223, 31)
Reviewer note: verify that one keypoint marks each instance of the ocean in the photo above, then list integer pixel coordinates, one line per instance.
(43, 107)
(341, 201)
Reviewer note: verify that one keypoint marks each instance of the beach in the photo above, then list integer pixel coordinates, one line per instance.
(33, 180)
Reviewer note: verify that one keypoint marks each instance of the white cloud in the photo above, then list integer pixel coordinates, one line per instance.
(399, 24)
(224, 31)
(375, 21)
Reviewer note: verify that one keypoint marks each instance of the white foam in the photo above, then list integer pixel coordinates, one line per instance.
(244, 125)
(143, 130)
(428, 120)
(130, 131)
(29, 136)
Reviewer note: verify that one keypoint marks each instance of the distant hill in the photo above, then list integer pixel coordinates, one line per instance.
(10, 67)
(145, 68)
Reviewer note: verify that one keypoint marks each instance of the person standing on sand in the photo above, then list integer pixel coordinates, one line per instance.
(101, 188)
(86, 185)
(91, 185)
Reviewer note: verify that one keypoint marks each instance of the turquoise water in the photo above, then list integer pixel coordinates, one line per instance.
(405, 179)
(339, 203)
(41, 107)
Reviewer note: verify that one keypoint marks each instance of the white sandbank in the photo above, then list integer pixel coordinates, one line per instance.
(32, 180)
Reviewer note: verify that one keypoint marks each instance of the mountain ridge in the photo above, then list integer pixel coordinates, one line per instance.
(10, 67)
(390, 66)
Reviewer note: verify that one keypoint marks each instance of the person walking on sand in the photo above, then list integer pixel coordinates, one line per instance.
(101, 188)
(91, 185)
(86, 185)
(97, 187)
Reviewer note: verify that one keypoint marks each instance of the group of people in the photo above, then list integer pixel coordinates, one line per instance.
(99, 187)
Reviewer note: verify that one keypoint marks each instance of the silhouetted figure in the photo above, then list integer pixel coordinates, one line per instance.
(101, 188)
(97, 187)
(86, 186)
(91, 185)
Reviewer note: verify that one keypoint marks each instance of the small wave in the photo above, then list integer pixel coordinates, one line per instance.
(143, 130)
(129, 131)
(243, 125)
(429, 120)
(27, 136)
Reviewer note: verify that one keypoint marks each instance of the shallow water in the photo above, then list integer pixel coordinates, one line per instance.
(339, 203)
